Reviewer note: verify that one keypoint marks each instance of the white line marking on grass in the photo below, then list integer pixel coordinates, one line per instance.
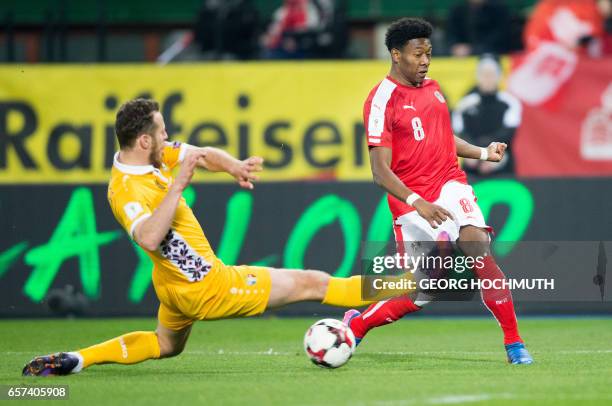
(433, 352)
(485, 397)
(221, 351)
(447, 399)
(584, 352)
(453, 399)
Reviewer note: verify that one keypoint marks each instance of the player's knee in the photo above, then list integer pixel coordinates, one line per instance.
(473, 233)
(168, 348)
(171, 351)
(474, 241)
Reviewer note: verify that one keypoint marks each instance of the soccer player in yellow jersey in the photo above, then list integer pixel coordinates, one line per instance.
(190, 281)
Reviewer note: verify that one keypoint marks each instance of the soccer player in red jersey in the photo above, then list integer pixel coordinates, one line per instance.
(413, 155)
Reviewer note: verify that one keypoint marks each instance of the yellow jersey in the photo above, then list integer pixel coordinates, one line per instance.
(134, 192)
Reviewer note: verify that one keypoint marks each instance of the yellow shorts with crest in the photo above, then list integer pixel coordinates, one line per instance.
(227, 291)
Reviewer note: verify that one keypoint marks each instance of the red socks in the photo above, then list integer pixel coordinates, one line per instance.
(499, 301)
(381, 313)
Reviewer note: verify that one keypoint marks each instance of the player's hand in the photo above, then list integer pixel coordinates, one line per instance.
(496, 151)
(244, 171)
(434, 214)
(186, 172)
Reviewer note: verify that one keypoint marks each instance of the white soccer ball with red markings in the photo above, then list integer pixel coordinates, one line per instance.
(329, 343)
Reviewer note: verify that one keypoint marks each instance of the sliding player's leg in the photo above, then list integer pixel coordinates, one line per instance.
(172, 342)
(130, 348)
(244, 291)
(294, 285)
(239, 291)
(137, 346)
(475, 242)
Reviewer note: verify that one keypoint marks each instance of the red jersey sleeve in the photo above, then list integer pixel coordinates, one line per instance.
(378, 115)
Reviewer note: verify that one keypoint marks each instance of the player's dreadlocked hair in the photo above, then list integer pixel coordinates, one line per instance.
(134, 118)
(405, 29)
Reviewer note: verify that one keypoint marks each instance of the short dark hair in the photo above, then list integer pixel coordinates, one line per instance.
(405, 29)
(135, 117)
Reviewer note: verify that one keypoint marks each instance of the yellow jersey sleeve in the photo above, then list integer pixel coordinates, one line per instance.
(173, 153)
(129, 206)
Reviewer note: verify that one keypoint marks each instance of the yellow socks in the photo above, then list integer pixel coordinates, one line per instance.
(126, 349)
(345, 292)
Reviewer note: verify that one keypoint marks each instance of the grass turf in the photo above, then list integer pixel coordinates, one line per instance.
(261, 361)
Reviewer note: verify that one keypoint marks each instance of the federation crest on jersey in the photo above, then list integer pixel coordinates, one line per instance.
(251, 279)
(439, 96)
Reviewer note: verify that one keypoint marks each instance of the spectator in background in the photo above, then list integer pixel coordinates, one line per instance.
(478, 26)
(576, 24)
(487, 114)
(307, 29)
(227, 29)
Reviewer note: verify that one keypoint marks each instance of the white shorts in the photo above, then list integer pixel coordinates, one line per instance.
(459, 200)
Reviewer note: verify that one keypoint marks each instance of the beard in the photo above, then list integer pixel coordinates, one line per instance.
(156, 154)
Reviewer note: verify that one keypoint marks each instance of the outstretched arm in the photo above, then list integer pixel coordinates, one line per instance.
(217, 160)
(494, 152)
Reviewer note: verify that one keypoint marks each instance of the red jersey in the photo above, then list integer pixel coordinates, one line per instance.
(415, 123)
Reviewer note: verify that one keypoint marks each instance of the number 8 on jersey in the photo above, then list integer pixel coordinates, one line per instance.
(417, 127)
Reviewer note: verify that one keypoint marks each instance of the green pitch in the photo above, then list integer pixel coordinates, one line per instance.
(261, 361)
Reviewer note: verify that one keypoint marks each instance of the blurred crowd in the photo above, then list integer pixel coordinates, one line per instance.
(319, 29)
(298, 29)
